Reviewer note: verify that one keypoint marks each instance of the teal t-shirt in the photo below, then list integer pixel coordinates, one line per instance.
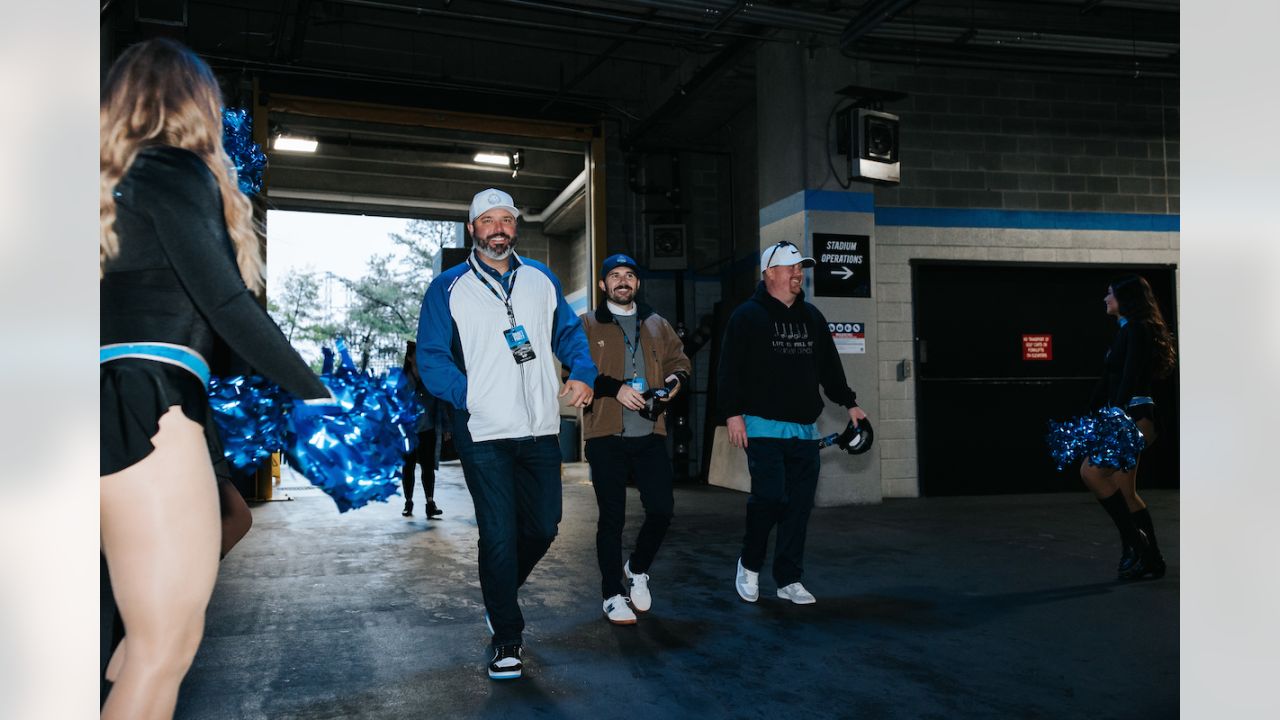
(779, 429)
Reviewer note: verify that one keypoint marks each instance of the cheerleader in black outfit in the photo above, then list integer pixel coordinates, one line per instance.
(1142, 351)
(178, 254)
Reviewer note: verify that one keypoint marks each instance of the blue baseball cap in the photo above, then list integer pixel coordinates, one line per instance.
(618, 260)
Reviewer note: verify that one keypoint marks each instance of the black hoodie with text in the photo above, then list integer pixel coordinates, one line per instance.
(773, 359)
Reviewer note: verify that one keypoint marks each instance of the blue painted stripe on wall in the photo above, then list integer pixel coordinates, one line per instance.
(820, 200)
(836, 201)
(1028, 219)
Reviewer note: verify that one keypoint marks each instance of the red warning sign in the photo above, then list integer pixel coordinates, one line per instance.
(1037, 347)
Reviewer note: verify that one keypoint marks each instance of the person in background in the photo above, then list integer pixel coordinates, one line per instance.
(777, 351)
(1142, 351)
(635, 350)
(492, 335)
(427, 454)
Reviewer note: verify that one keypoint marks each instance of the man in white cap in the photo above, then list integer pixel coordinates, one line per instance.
(776, 352)
(492, 335)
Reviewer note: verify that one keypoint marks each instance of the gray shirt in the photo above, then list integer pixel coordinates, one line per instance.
(633, 366)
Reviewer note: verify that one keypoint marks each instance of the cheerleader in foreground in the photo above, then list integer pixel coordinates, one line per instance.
(179, 255)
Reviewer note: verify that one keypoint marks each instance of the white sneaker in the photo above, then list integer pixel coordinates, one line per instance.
(748, 583)
(796, 593)
(641, 600)
(615, 608)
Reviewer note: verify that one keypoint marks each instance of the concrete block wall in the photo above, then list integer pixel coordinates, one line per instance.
(897, 246)
(622, 214)
(706, 210)
(706, 193)
(1023, 141)
(1001, 166)
(536, 246)
(974, 140)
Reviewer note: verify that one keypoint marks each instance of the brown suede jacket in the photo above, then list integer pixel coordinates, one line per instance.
(663, 355)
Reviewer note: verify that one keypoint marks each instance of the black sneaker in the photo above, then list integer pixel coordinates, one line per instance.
(506, 663)
(433, 510)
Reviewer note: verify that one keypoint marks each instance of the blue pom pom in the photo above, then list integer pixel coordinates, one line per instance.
(250, 413)
(1107, 438)
(245, 154)
(353, 450)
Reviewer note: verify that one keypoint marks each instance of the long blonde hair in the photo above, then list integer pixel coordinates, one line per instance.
(161, 93)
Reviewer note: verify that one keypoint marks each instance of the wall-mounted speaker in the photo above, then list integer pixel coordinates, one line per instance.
(869, 140)
(668, 247)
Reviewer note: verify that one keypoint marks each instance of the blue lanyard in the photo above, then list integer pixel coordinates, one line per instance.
(505, 300)
(633, 348)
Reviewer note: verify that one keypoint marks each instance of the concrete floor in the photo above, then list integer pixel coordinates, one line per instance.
(992, 607)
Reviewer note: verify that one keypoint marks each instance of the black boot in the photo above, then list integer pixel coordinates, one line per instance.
(1143, 563)
(1133, 541)
(1154, 562)
(1127, 557)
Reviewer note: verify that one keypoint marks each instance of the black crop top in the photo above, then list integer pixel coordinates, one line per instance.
(175, 278)
(1127, 370)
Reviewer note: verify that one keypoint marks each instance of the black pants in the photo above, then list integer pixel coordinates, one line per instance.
(424, 455)
(784, 477)
(612, 460)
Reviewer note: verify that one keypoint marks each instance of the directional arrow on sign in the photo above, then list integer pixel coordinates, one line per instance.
(844, 273)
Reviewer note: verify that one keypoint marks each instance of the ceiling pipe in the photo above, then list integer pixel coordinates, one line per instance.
(338, 197)
(682, 95)
(494, 18)
(554, 206)
(872, 16)
(755, 13)
(613, 17)
(1021, 62)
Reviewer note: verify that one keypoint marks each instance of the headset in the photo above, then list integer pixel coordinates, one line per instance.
(855, 440)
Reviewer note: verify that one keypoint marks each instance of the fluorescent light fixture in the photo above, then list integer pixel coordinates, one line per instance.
(492, 159)
(290, 143)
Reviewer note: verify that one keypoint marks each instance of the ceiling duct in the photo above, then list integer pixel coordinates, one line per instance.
(574, 186)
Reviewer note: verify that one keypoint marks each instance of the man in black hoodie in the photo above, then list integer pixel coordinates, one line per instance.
(777, 350)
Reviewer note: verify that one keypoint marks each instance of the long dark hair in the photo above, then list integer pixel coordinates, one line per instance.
(1137, 303)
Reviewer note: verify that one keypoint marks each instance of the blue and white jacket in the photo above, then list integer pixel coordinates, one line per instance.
(465, 360)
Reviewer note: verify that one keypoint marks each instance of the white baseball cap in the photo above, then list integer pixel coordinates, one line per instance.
(487, 200)
(783, 254)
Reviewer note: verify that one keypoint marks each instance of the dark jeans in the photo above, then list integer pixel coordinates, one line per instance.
(515, 487)
(784, 477)
(424, 455)
(612, 460)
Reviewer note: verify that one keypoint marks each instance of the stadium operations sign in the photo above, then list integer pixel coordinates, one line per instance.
(843, 265)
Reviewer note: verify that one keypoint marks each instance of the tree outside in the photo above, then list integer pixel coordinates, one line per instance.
(376, 312)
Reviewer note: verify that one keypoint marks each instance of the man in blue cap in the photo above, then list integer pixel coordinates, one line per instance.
(642, 365)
